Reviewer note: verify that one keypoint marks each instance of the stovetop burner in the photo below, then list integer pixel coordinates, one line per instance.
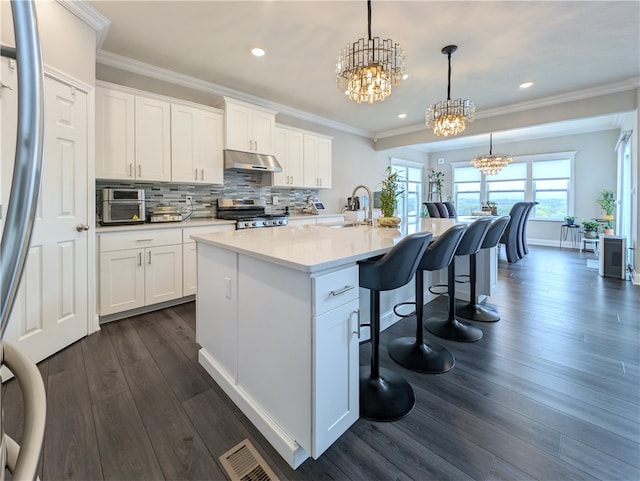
(248, 214)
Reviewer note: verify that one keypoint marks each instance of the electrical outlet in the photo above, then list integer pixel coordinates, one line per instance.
(188, 199)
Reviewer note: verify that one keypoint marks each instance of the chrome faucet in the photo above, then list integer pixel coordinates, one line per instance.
(369, 199)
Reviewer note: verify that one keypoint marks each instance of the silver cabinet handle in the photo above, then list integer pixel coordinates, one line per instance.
(81, 227)
(196, 174)
(342, 291)
(139, 259)
(201, 174)
(357, 331)
(139, 170)
(130, 170)
(149, 257)
(144, 240)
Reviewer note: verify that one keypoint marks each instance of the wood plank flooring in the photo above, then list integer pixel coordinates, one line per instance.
(551, 392)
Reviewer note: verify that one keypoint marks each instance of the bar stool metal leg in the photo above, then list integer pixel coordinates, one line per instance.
(414, 353)
(452, 328)
(384, 395)
(473, 310)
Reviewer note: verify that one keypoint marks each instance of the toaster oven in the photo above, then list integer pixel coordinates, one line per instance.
(122, 206)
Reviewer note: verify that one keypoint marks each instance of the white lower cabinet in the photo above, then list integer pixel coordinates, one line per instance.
(335, 374)
(189, 254)
(283, 344)
(139, 269)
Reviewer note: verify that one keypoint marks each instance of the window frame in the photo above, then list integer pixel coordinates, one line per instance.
(396, 162)
(530, 159)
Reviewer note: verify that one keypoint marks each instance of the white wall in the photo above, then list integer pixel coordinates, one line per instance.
(595, 170)
(68, 44)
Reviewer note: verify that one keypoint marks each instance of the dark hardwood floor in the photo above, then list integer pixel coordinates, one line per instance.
(550, 393)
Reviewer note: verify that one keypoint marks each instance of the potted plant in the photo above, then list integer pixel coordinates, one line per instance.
(437, 178)
(608, 228)
(570, 219)
(590, 228)
(388, 195)
(607, 203)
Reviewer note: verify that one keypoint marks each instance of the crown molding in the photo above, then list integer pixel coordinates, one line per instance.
(89, 15)
(629, 84)
(158, 73)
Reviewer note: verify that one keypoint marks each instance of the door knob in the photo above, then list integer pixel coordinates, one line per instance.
(81, 227)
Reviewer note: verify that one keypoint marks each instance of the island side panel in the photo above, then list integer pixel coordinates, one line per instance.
(275, 350)
(217, 306)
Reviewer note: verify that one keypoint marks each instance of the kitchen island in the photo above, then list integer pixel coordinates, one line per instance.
(278, 314)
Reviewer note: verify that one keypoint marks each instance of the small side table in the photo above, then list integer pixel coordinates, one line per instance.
(594, 241)
(574, 229)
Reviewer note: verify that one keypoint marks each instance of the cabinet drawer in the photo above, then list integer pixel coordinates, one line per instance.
(335, 289)
(188, 232)
(139, 239)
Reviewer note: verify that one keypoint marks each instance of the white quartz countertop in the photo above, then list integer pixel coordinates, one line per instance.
(314, 248)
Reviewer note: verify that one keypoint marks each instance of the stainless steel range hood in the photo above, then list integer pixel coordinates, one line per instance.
(237, 160)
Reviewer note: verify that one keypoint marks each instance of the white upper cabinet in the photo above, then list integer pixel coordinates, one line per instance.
(153, 139)
(132, 136)
(196, 145)
(289, 150)
(248, 128)
(115, 132)
(317, 161)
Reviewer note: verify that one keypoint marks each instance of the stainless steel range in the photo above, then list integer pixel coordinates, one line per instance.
(248, 214)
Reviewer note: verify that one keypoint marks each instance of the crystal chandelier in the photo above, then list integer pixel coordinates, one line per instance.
(367, 69)
(450, 117)
(493, 163)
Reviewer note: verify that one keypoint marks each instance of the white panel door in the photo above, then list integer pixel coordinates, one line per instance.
(163, 273)
(153, 139)
(51, 311)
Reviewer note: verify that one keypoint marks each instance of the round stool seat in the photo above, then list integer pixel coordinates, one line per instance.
(388, 397)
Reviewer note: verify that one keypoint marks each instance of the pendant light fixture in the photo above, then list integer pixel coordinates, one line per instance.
(493, 163)
(366, 70)
(450, 117)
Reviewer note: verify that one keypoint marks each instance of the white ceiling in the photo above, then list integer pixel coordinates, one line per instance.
(562, 46)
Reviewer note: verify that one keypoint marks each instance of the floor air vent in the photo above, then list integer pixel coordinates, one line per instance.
(243, 463)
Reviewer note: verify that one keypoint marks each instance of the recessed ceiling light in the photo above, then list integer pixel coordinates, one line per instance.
(402, 116)
(258, 52)
(526, 85)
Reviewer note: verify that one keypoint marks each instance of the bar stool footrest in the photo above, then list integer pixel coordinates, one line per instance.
(421, 357)
(388, 397)
(432, 289)
(395, 311)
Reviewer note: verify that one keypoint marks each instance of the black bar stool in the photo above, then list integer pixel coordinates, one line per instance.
(414, 353)
(452, 328)
(385, 395)
(473, 310)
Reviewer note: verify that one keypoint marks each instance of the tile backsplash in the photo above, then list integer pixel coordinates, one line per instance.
(237, 184)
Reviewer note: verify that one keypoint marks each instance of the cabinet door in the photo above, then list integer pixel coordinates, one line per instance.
(238, 127)
(311, 161)
(324, 163)
(289, 152)
(263, 128)
(121, 280)
(281, 179)
(163, 273)
(335, 375)
(153, 139)
(115, 131)
(189, 270)
(184, 163)
(210, 159)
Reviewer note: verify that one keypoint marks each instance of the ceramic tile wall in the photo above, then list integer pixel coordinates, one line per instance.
(237, 184)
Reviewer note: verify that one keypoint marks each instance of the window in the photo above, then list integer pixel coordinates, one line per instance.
(466, 189)
(508, 186)
(544, 178)
(410, 201)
